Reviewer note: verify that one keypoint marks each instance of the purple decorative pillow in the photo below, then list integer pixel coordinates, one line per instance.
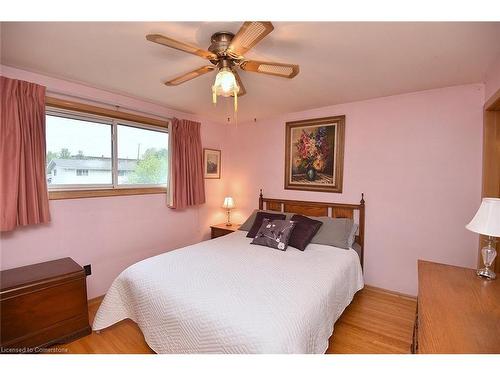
(304, 231)
(258, 221)
(274, 234)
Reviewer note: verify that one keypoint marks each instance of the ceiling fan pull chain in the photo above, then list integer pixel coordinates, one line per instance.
(236, 108)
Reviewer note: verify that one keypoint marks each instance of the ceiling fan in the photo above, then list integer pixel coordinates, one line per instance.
(226, 54)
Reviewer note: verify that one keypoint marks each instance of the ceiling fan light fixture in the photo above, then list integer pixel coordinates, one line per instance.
(225, 85)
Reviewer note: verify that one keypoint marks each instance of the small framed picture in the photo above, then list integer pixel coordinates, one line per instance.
(211, 163)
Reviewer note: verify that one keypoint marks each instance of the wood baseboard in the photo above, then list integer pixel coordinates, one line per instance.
(96, 300)
(391, 292)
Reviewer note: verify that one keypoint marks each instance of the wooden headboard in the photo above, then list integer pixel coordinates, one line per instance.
(307, 208)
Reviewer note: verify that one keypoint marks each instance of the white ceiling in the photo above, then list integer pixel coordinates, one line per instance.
(339, 61)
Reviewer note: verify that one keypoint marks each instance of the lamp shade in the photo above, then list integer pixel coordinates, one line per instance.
(225, 83)
(228, 203)
(487, 219)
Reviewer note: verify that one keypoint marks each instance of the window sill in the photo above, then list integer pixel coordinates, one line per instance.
(78, 194)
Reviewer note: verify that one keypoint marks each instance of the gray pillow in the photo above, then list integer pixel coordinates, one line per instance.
(274, 234)
(247, 225)
(352, 235)
(357, 248)
(338, 232)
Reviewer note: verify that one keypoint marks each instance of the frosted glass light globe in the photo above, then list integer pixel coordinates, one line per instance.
(225, 83)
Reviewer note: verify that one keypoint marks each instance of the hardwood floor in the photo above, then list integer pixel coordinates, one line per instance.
(376, 321)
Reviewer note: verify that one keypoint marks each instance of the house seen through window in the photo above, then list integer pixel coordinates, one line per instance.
(94, 152)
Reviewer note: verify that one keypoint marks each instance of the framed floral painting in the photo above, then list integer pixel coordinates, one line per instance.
(314, 154)
(211, 163)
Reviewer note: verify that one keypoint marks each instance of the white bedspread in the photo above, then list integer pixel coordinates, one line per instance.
(227, 296)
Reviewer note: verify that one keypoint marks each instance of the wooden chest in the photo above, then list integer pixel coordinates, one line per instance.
(42, 304)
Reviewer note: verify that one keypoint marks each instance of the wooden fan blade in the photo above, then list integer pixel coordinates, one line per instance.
(248, 36)
(240, 84)
(272, 68)
(188, 76)
(181, 46)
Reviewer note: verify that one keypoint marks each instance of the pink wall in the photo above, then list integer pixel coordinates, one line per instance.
(115, 232)
(417, 158)
(492, 81)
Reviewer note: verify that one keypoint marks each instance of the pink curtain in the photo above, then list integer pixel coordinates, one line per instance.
(23, 188)
(187, 186)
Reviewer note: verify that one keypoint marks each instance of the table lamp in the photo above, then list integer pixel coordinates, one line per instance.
(228, 204)
(487, 223)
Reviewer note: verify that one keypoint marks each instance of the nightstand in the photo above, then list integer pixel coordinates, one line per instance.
(220, 230)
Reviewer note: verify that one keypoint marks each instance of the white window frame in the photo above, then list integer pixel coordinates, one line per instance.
(113, 123)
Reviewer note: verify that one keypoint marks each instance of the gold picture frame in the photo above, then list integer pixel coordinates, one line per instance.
(314, 154)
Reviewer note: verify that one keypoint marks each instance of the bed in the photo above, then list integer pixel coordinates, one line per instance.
(227, 296)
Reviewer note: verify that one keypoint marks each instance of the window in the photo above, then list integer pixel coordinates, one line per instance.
(142, 156)
(87, 152)
(74, 144)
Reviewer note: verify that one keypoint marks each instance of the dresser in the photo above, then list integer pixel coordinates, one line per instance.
(457, 312)
(220, 230)
(42, 304)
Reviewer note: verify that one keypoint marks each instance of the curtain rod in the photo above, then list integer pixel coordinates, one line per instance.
(118, 107)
